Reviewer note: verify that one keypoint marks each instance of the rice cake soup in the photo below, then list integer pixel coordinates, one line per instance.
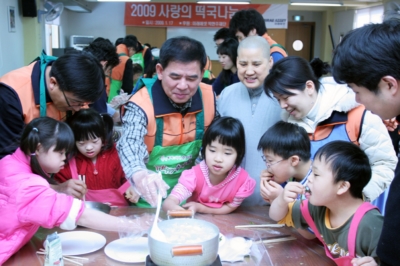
(188, 233)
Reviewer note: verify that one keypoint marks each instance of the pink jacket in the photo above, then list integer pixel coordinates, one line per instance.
(26, 202)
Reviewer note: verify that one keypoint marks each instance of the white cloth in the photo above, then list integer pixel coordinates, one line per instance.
(235, 249)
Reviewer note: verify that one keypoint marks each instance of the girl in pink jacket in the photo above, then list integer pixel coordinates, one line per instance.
(97, 159)
(218, 184)
(26, 199)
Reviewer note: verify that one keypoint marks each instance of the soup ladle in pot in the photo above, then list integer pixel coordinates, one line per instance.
(156, 232)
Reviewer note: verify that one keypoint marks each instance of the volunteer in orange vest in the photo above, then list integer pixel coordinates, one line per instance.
(249, 22)
(139, 54)
(165, 120)
(121, 75)
(49, 86)
(328, 111)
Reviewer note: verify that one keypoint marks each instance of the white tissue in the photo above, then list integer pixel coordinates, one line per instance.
(235, 249)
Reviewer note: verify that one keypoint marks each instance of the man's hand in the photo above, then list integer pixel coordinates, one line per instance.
(147, 184)
(73, 187)
(364, 261)
(270, 190)
(132, 195)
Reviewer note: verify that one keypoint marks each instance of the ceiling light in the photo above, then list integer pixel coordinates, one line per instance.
(315, 3)
(123, 0)
(224, 2)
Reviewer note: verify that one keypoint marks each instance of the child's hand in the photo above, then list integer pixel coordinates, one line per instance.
(292, 189)
(270, 190)
(194, 206)
(364, 261)
(265, 175)
(132, 195)
(73, 187)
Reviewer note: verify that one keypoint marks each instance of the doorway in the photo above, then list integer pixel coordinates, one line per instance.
(300, 39)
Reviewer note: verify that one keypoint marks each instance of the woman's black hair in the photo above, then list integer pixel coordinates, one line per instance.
(228, 47)
(293, 72)
(151, 68)
(228, 131)
(348, 163)
(285, 140)
(88, 123)
(47, 132)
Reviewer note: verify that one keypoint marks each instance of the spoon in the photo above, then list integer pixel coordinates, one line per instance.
(156, 232)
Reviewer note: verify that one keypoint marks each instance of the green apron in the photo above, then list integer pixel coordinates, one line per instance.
(171, 161)
(138, 59)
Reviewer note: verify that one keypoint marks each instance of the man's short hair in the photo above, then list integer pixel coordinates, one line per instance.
(81, 74)
(182, 49)
(103, 50)
(367, 54)
(348, 163)
(286, 140)
(247, 19)
(223, 33)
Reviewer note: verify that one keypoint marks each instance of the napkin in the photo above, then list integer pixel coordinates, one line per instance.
(235, 249)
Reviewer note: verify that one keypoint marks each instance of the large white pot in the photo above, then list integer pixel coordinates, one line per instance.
(193, 254)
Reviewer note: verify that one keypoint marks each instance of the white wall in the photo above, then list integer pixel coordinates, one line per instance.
(343, 23)
(11, 43)
(106, 20)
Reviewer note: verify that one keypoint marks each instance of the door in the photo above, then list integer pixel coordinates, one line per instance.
(300, 39)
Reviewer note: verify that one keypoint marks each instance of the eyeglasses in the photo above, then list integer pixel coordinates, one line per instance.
(78, 104)
(269, 165)
(66, 99)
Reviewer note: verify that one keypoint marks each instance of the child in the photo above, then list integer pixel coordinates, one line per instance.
(28, 202)
(286, 152)
(218, 184)
(348, 227)
(137, 73)
(97, 159)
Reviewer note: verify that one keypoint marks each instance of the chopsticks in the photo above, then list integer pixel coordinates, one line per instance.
(276, 240)
(68, 258)
(259, 226)
(83, 179)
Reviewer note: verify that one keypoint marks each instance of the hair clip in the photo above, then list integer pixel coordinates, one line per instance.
(33, 154)
(35, 129)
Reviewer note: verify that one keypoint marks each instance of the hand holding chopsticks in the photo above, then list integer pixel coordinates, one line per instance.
(83, 179)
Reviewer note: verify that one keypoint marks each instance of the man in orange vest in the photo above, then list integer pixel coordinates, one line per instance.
(249, 22)
(47, 87)
(165, 119)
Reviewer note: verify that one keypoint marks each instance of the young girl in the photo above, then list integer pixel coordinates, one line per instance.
(28, 202)
(227, 54)
(218, 184)
(97, 159)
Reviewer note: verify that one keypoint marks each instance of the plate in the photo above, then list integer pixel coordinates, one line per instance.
(128, 250)
(81, 242)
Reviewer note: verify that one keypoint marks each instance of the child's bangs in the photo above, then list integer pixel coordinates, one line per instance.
(64, 139)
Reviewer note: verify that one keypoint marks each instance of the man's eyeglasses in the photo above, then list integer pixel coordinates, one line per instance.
(79, 104)
(269, 165)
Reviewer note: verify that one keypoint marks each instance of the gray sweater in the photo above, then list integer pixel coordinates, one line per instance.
(257, 112)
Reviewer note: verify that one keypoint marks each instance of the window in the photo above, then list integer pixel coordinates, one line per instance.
(368, 15)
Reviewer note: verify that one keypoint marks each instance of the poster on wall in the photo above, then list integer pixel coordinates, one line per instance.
(198, 15)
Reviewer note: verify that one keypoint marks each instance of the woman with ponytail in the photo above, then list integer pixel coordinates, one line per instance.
(328, 111)
(27, 200)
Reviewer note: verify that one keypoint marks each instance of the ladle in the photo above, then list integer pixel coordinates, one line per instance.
(156, 232)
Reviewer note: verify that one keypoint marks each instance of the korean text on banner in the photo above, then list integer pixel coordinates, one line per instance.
(197, 16)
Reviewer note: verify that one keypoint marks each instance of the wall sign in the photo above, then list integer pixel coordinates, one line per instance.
(198, 15)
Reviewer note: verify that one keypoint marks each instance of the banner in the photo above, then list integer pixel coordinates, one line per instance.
(198, 15)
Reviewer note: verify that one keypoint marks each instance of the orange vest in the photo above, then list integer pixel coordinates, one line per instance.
(274, 46)
(21, 82)
(117, 73)
(177, 129)
(353, 123)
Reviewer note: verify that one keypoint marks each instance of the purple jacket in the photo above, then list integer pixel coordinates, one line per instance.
(26, 202)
